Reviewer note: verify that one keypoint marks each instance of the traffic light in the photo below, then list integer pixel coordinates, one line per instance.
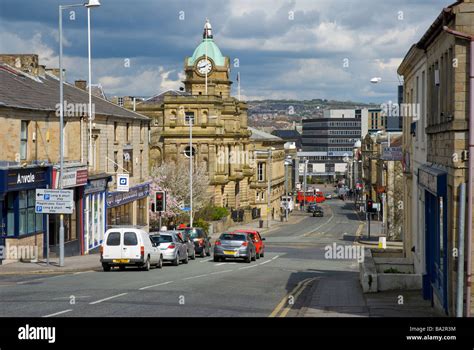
(370, 206)
(160, 201)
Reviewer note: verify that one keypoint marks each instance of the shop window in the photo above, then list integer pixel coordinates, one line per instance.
(10, 215)
(29, 221)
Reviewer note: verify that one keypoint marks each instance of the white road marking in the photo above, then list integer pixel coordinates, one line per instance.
(218, 272)
(247, 267)
(82, 272)
(156, 285)
(193, 277)
(220, 264)
(58, 313)
(266, 262)
(105, 299)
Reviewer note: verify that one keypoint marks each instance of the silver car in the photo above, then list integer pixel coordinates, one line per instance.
(172, 247)
(186, 238)
(235, 245)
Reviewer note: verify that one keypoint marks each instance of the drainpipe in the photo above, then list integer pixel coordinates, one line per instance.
(470, 193)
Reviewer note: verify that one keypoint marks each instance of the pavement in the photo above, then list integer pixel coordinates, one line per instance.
(295, 278)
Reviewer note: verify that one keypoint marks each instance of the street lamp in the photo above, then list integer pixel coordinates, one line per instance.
(305, 182)
(91, 3)
(287, 163)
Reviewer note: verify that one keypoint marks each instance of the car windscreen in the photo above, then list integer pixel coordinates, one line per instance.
(130, 238)
(194, 234)
(113, 238)
(232, 237)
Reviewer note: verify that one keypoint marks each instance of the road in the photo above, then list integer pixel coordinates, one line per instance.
(294, 259)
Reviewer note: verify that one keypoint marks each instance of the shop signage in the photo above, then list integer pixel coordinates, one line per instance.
(72, 177)
(114, 199)
(123, 183)
(18, 179)
(392, 154)
(94, 186)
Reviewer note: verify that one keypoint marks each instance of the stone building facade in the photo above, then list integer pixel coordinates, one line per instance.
(446, 57)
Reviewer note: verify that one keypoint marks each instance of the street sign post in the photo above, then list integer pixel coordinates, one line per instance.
(54, 201)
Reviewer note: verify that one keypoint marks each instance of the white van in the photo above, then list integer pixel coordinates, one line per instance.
(287, 202)
(129, 247)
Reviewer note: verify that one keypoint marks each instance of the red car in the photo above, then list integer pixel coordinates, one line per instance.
(257, 241)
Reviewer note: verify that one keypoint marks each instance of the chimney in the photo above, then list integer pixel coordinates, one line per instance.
(27, 63)
(81, 84)
(55, 72)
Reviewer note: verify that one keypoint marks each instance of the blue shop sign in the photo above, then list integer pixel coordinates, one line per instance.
(115, 199)
(24, 178)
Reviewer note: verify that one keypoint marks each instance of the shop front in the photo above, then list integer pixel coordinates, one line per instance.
(94, 212)
(435, 280)
(22, 230)
(128, 208)
(74, 178)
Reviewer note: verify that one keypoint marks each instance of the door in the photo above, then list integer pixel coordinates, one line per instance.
(113, 246)
(131, 246)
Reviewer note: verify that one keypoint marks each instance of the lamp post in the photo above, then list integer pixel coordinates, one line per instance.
(91, 3)
(191, 122)
(304, 182)
(287, 163)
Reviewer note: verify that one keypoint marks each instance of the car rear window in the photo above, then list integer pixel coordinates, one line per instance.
(113, 238)
(163, 239)
(130, 238)
(232, 237)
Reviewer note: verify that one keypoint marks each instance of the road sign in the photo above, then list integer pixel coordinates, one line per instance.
(123, 183)
(54, 195)
(54, 201)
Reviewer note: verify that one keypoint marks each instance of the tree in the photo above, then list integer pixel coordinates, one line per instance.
(173, 177)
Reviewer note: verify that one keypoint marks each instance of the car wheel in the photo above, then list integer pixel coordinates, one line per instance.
(176, 260)
(146, 267)
(261, 254)
(160, 263)
(193, 257)
(106, 267)
(186, 259)
(254, 257)
(203, 253)
(248, 259)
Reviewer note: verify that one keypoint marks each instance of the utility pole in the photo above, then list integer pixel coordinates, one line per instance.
(191, 122)
(269, 190)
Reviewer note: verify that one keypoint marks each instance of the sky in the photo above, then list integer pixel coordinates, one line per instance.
(283, 49)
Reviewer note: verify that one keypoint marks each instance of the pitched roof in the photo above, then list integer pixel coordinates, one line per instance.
(289, 135)
(23, 91)
(161, 96)
(262, 135)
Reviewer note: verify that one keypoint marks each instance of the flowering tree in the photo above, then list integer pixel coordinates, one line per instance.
(173, 177)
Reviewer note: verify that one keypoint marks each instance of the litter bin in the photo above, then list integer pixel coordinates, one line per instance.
(260, 223)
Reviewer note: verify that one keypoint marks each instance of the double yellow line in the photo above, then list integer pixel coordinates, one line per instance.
(283, 306)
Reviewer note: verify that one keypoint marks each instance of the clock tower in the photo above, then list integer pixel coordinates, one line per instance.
(207, 70)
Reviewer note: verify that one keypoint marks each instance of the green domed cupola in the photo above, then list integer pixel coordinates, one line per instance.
(207, 48)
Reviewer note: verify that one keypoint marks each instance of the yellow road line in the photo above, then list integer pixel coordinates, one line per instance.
(297, 294)
(283, 301)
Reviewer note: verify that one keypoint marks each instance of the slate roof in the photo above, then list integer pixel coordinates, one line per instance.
(161, 96)
(260, 135)
(289, 135)
(23, 91)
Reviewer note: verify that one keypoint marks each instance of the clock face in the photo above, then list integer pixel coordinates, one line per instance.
(204, 66)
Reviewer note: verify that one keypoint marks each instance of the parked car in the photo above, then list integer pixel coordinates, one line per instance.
(124, 247)
(257, 241)
(202, 242)
(185, 237)
(318, 212)
(235, 245)
(172, 247)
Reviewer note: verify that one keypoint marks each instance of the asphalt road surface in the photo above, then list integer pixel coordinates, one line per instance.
(276, 285)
